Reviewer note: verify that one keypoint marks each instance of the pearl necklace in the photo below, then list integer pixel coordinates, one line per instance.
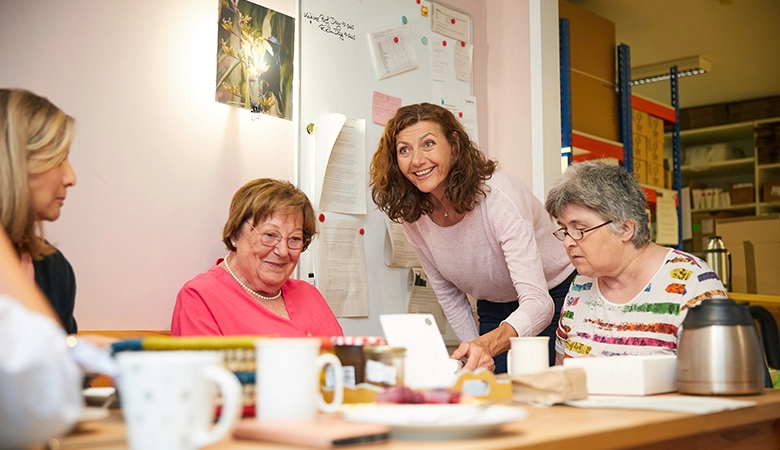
(278, 294)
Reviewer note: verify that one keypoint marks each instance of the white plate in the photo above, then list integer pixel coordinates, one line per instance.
(448, 421)
(91, 413)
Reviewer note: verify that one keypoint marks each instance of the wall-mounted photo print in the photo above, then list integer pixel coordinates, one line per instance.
(255, 52)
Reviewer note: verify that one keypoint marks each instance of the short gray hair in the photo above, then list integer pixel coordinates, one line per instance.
(610, 191)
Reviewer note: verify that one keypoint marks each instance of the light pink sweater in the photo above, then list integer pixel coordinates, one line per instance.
(501, 251)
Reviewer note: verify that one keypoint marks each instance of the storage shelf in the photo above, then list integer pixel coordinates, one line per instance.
(719, 133)
(772, 166)
(769, 204)
(747, 207)
(727, 167)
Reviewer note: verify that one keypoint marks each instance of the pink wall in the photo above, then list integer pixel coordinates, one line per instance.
(157, 158)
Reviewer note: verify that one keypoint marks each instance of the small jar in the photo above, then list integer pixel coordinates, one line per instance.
(384, 365)
(349, 350)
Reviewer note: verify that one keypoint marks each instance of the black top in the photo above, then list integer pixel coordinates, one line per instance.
(55, 277)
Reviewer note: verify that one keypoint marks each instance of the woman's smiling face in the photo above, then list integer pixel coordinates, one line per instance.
(425, 156)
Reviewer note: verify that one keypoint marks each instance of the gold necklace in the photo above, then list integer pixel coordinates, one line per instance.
(246, 288)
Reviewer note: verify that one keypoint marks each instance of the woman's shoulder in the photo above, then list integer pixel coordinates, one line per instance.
(53, 261)
(208, 278)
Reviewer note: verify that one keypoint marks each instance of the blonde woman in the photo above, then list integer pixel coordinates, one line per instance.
(34, 178)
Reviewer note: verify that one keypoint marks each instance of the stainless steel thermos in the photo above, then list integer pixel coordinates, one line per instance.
(719, 351)
(719, 260)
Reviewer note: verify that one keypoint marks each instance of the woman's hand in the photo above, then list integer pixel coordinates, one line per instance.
(477, 354)
(481, 350)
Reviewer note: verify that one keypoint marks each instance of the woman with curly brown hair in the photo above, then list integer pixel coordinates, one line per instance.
(476, 231)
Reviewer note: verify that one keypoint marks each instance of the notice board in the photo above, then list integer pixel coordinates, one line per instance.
(340, 79)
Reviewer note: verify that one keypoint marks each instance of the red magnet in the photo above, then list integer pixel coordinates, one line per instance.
(362, 231)
(453, 21)
(462, 44)
(460, 114)
(418, 2)
(444, 43)
(395, 39)
(322, 217)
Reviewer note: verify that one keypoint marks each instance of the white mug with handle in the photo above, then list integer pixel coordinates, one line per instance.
(287, 384)
(168, 398)
(528, 354)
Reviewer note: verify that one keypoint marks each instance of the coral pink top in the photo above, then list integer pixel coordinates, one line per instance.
(214, 304)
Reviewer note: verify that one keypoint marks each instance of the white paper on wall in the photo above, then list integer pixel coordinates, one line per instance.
(440, 61)
(392, 51)
(666, 217)
(398, 250)
(463, 61)
(343, 280)
(464, 107)
(450, 23)
(344, 181)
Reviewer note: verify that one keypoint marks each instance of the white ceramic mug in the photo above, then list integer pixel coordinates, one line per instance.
(168, 398)
(287, 384)
(528, 354)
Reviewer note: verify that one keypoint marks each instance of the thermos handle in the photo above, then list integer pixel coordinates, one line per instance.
(769, 334)
(728, 271)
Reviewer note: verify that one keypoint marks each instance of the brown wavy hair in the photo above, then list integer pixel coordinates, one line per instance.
(397, 197)
(259, 199)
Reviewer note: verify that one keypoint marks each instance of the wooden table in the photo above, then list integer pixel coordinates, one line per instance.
(556, 427)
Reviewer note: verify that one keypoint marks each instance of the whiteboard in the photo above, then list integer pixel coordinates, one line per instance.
(337, 76)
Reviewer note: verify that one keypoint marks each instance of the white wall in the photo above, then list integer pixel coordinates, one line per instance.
(157, 159)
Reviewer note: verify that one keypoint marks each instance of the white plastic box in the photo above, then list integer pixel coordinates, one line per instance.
(628, 375)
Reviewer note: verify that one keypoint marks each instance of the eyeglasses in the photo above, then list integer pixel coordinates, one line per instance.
(577, 235)
(273, 238)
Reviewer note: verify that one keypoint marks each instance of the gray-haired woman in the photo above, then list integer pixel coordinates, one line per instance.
(631, 295)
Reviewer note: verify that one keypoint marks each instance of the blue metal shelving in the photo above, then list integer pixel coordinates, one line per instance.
(625, 113)
(676, 153)
(565, 68)
(624, 106)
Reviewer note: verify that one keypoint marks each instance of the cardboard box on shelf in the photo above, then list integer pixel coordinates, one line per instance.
(640, 171)
(768, 155)
(640, 147)
(742, 194)
(655, 151)
(763, 235)
(638, 121)
(755, 109)
(703, 226)
(771, 191)
(592, 41)
(594, 107)
(655, 127)
(703, 116)
(655, 174)
(667, 174)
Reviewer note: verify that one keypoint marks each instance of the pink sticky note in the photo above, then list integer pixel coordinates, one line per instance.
(383, 107)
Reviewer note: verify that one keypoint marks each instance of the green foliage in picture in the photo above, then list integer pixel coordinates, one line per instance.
(255, 51)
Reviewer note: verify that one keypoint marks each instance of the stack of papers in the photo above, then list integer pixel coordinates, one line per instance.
(683, 404)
